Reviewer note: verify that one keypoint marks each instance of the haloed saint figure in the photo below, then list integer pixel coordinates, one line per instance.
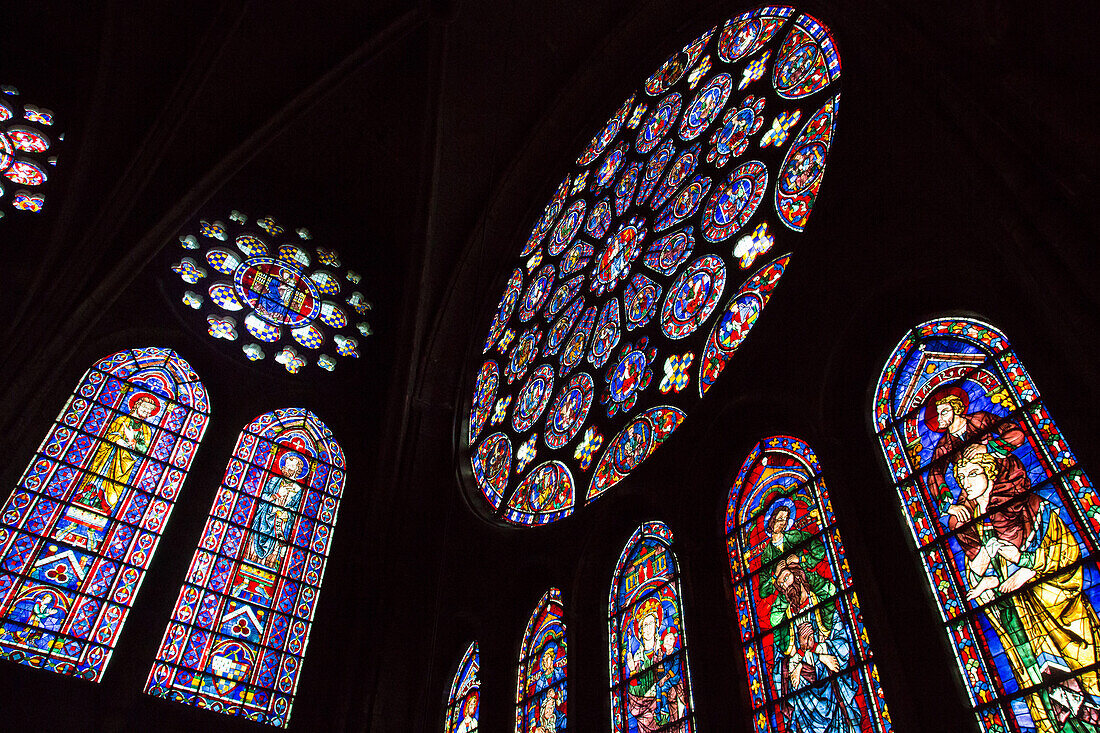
(116, 459)
(812, 643)
(548, 682)
(1022, 567)
(273, 518)
(656, 695)
(468, 724)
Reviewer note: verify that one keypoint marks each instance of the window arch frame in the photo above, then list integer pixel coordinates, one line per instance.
(105, 538)
(962, 351)
(223, 649)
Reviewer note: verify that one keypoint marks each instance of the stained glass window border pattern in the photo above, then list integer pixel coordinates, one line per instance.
(238, 634)
(746, 507)
(106, 550)
(664, 586)
(973, 352)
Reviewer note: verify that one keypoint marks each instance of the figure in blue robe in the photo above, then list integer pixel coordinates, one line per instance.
(272, 521)
(812, 645)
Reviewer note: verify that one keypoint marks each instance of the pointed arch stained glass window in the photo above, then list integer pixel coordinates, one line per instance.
(80, 529)
(464, 701)
(541, 688)
(28, 152)
(239, 630)
(650, 679)
(1005, 522)
(650, 264)
(807, 654)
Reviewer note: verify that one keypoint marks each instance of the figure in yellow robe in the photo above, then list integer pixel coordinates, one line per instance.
(109, 472)
(1020, 543)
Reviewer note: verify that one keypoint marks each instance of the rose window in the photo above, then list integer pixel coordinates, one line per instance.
(653, 259)
(273, 292)
(27, 143)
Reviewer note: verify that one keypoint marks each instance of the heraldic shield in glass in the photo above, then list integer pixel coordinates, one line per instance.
(464, 699)
(649, 265)
(28, 153)
(1005, 522)
(807, 654)
(238, 634)
(271, 291)
(541, 687)
(79, 531)
(650, 680)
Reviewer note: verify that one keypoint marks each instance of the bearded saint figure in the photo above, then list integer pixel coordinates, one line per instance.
(272, 520)
(812, 646)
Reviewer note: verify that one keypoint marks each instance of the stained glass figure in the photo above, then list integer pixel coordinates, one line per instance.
(807, 654)
(541, 688)
(28, 149)
(80, 529)
(238, 634)
(648, 649)
(1004, 520)
(656, 252)
(464, 700)
(282, 289)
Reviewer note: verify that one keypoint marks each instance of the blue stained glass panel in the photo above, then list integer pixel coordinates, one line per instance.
(249, 598)
(80, 529)
(1004, 522)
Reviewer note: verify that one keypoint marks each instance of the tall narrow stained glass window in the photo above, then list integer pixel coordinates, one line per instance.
(80, 529)
(1005, 523)
(239, 630)
(650, 680)
(806, 652)
(465, 699)
(541, 686)
(654, 258)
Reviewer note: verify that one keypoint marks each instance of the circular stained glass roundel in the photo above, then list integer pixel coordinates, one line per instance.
(271, 294)
(650, 262)
(277, 293)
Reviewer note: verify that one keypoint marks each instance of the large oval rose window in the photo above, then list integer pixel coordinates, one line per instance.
(653, 259)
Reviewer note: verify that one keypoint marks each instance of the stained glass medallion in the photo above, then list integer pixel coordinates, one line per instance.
(647, 638)
(807, 653)
(238, 634)
(1004, 520)
(28, 152)
(657, 252)
(464, 700)
(81, 527)
(271, 293)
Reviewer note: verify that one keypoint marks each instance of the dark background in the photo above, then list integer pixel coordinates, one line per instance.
(421, 140)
